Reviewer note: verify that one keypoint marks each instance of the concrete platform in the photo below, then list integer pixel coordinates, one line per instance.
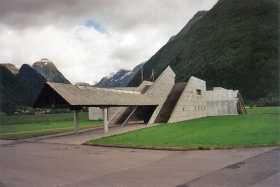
(52, 164)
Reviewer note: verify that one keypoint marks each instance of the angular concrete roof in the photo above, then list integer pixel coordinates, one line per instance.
(75, 96)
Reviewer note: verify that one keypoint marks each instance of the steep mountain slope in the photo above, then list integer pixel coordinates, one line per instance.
(234, 45)
(49, 71)
(189, 25)
(32, 81)
(10, 90)
(119, 79)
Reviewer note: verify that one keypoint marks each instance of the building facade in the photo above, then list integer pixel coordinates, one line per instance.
(176, 101)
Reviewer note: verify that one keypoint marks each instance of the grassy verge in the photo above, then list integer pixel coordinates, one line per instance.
(261, 127)
(27, 126)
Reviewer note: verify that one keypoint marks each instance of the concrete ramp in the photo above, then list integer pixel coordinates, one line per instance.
(170, 103)
(122, 113)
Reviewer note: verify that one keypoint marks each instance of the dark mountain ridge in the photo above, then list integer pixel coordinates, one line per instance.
(32, 81)
(10, 90)
(19, 88)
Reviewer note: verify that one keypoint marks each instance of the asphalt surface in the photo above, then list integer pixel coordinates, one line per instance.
(28, 164)
(258, 171)
(88, 135)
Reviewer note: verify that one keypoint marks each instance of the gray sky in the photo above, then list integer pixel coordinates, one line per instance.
(89, 39)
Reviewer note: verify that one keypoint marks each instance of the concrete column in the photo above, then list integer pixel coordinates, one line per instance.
(106, 122)
(76, 121)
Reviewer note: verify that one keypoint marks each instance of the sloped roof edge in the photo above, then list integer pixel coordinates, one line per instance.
(76, 96)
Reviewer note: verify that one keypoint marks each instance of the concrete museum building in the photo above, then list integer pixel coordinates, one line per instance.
(161, 101)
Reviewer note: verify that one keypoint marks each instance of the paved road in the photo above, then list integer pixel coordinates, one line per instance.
(262, 170)
(87, 135)
(51, 164)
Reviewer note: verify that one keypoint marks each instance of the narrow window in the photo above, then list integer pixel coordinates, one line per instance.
(198, 91)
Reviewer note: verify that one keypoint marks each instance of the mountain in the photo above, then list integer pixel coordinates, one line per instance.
(11, 67)
(32, 81)
(49, 71)
(233, 45)
(119, 79)
(19, 88)
(10, 90)
(189, 25)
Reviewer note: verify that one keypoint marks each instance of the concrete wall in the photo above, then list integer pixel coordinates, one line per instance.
(161, 89)
(221, 102)
(192, 102)
(96, 113)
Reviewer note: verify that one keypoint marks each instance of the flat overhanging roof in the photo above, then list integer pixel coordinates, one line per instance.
(68, 95)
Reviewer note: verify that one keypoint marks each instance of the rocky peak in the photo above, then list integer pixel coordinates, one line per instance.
(49, 71)
(43, 63)
(119, 79)
(11, 67)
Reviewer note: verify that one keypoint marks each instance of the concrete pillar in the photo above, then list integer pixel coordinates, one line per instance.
(76, 121)
(106, 122)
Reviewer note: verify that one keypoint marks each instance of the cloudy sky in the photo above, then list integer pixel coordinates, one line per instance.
(89, 39)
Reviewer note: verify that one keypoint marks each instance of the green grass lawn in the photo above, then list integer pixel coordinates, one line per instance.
(260, 127)
(26, 126)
